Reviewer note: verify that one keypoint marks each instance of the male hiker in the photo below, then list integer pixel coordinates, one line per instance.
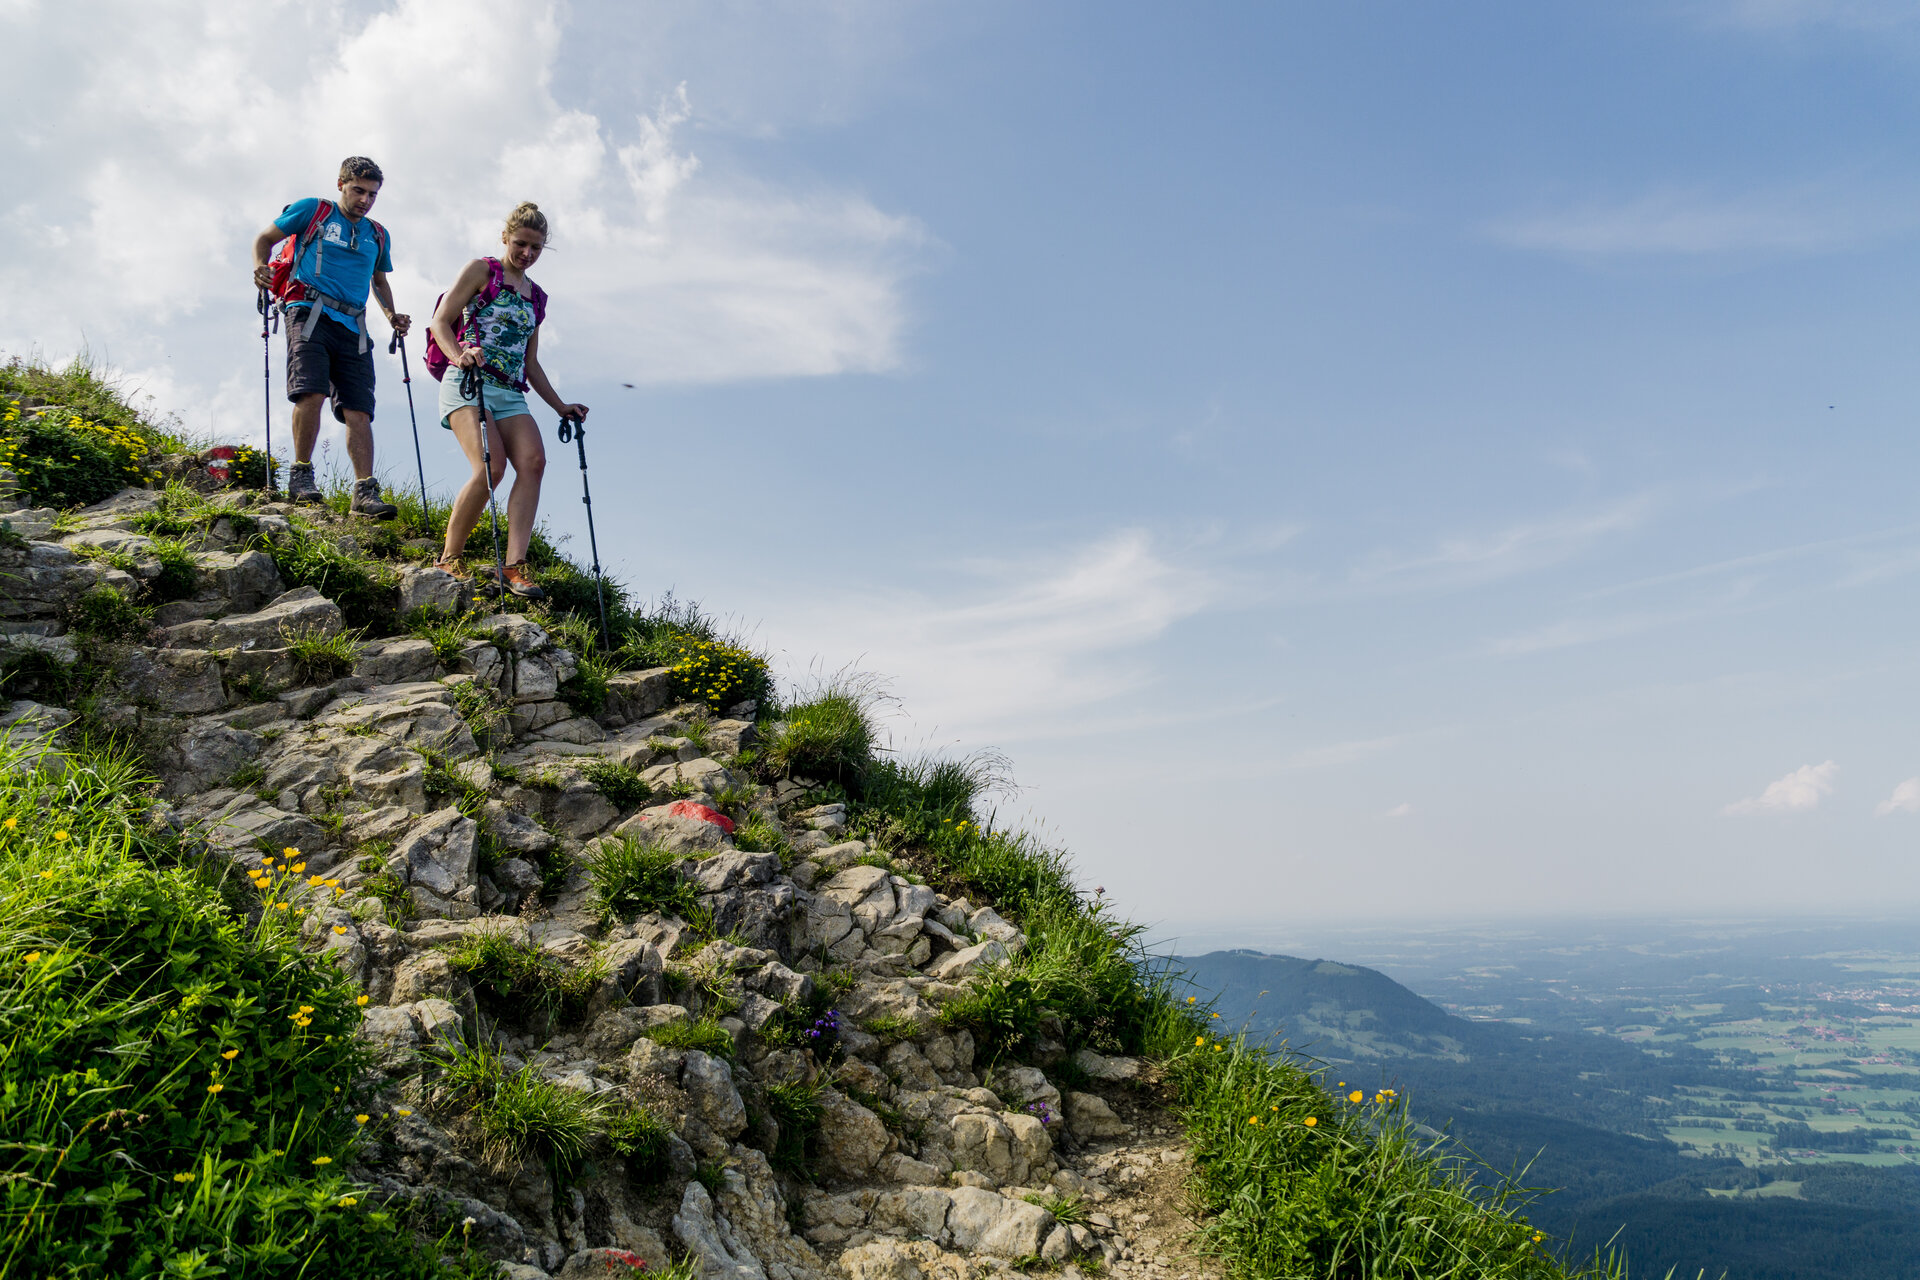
(321, 280)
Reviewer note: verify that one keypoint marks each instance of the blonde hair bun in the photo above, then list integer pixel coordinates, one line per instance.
(526, 214)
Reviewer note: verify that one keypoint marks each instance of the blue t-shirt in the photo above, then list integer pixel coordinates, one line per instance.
(342, 258)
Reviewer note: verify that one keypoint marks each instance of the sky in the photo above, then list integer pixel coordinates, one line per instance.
(1363, 462)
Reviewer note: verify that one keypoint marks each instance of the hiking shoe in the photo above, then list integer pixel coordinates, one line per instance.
(366, 501)
(454, 566)
(521, 583)
(300, 485)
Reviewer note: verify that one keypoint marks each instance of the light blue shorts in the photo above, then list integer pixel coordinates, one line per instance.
(502, 402)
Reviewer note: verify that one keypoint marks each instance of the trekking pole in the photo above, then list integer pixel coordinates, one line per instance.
(399, 344)
(473, 384)
(572, 429)
(267, 312)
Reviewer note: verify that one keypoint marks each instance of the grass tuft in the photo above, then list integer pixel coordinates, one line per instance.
(517, 980)
(105, 613)
(630, 878)
(319, 657)
(830, 736)
(521, 1114)
(704, 1034)
(617, 783)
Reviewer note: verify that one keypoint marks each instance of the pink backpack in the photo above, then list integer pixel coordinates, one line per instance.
(438, 361)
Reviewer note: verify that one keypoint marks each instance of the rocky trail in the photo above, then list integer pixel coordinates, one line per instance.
(440, 814)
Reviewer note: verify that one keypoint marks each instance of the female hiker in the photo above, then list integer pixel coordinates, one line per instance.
(490, 319)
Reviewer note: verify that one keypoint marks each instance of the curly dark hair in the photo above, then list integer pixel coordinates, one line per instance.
(360, 167)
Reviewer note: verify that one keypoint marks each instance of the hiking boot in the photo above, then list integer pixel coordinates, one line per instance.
(454, 566)
(520, 582)
(366, 501)
(300, 484)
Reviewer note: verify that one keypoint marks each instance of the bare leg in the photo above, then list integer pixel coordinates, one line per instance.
(472, 498)
(359, 443)
(529, 457)
(306, 425)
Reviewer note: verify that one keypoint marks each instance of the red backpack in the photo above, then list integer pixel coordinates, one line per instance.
(438, 361)
(288, 252)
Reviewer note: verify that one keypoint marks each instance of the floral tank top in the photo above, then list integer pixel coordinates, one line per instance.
(501, 329)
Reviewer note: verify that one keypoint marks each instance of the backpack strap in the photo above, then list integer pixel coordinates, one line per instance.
(311, 236)
(539, 304)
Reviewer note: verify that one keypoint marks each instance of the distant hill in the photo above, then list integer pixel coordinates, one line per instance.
(1569, 1108)
(1317, 1004)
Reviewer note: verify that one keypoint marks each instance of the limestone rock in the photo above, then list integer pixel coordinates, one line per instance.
(396, 661)
(852, 1139)
(964, 964)
(984, 1222)
(301, 611)
(514, 832)
(674, 834)
(1100, 1067)
(722, 1256)
(424, 587)
(635, 695)
(708, 1082)
(1089, 1117)
(44, 579)
(187, 682)
(440, 859)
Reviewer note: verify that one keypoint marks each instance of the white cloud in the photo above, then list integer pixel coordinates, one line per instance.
(1799, 791)
(1400, 810)
(1014, 648)
(1905, 799)
(1465, 561)
(1817, 218)
(145, 152)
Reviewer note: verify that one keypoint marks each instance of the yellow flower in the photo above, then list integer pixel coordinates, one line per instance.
(303, 1022)
(215, 1087)
(33, 957)
(1198, 1041)
(1356, 1096)
(339, 928)
(297, 867)
(1253, 1119)
(231, 1054)
(281, 906)
(347, 1202)
(1216, 1047)
(402, 1111)
(323, 1159)
(290, 851)
(360, 1119)
(1215, 1015)
(360, 1000)
(46, 875)
(59, 835)
(10, 823)
(183, 1177)
(1311, 1121)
